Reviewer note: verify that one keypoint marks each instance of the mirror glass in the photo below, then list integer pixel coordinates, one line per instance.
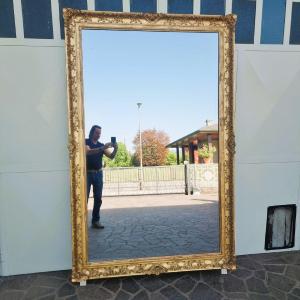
(152, 139)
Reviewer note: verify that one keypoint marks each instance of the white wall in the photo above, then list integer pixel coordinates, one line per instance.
(268, 140)
(35, 230)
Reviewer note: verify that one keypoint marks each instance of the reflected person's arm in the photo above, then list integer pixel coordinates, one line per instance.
(90, 151)
(113, 154)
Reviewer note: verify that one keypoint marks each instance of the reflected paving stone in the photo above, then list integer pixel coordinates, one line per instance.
(155, 230)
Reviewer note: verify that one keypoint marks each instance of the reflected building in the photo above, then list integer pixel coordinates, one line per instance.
(187, 147)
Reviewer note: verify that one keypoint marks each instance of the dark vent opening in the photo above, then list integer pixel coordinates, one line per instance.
(280, 229)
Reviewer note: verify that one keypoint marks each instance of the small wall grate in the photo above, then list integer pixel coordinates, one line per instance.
(280, 229)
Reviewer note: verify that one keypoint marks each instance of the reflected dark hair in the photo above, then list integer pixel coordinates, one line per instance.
(93, 130)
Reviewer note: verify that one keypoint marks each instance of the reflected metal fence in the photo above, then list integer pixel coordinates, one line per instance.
(160, 179)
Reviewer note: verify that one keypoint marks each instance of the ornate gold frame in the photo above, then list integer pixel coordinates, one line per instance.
(75, 21)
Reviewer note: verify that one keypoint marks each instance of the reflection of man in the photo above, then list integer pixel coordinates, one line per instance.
(94, 155)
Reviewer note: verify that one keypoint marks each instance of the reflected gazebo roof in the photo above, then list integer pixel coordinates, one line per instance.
(198, 135)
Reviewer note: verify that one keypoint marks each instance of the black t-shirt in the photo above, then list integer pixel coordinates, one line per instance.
(94, 161)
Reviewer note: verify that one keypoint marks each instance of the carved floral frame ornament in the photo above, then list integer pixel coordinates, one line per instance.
(75, 22)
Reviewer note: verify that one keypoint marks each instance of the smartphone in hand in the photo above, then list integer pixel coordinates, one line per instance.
(113, 139)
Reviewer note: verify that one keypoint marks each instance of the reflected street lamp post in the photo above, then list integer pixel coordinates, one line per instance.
(139, 104)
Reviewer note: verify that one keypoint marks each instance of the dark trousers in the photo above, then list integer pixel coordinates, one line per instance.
(96, 180)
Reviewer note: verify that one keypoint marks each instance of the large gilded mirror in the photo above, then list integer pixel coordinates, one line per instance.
(151, 142)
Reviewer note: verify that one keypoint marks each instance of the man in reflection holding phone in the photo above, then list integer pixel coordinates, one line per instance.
(94, 155)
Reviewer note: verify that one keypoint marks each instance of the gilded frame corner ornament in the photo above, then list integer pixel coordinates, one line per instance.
(75, 21)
